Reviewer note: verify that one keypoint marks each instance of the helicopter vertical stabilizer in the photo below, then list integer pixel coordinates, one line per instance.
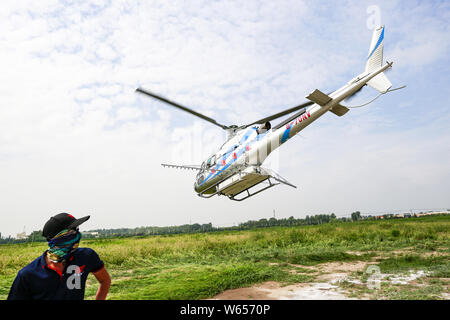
(375, 61)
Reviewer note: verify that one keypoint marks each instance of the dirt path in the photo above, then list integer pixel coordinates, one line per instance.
(273, 291)
(326, 286)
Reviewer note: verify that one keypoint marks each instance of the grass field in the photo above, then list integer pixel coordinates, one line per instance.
(199, 266)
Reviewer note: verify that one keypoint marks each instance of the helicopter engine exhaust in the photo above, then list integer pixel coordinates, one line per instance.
(264, 127)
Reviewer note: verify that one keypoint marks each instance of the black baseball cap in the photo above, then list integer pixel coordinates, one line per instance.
(60, 222)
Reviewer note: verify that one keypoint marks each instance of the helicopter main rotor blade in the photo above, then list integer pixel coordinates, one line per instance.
(280, 114)
(195, 113)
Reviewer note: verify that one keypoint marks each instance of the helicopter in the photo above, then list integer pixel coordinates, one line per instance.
(236, 170)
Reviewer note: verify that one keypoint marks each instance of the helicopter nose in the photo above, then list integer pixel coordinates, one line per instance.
(198, 182)
(196, 187)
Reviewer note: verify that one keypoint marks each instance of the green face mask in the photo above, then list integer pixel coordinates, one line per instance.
(63, 245)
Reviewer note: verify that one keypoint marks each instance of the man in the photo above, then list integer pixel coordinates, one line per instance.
(61, 272)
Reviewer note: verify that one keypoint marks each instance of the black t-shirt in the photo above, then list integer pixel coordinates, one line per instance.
(37, 281)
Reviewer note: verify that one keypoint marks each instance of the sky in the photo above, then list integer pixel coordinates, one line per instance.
(76, 138)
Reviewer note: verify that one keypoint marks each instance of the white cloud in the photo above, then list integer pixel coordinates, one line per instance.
(127, 113)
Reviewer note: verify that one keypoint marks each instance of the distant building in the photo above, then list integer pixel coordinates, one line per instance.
(420, 214)
(439, 212)
(21, 236)
(91, 233)
(430, 213)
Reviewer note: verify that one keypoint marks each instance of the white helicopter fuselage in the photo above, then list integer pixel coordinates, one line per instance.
(236, 168)
(249, 147)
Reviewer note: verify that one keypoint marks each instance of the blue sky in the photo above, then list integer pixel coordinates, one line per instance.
(75, 137)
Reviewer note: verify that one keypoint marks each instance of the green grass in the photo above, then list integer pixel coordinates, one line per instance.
(194, 281)
(410, 292)
(413, 262)
(198, 266)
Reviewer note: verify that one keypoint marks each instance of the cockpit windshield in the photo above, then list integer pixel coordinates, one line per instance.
(208, 163)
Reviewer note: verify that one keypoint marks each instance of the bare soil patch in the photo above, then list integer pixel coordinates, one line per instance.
(328, 277)
(274, 291)
(325, 287)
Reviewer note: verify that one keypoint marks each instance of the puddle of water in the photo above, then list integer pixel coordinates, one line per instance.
(405, 279)
(327, 289)
(314, 291)
(399, 279)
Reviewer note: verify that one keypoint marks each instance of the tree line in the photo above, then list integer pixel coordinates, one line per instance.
(36, 236)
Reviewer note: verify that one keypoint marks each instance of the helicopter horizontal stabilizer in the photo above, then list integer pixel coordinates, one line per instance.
(339, 110)
(319, 97)
(322, 99)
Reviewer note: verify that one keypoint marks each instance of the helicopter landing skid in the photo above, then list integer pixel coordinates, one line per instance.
(247, 191)
(242, 181)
